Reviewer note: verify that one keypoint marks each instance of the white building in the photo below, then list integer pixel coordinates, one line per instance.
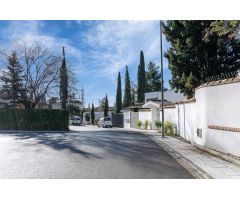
(150, 110)
(211, 119)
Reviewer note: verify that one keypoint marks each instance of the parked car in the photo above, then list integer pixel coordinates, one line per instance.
(76, 120)
(105, 122)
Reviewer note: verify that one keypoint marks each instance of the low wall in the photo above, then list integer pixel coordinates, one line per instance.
(213, 120)
(126, 119)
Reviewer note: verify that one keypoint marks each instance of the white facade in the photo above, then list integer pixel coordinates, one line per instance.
(212, 119)
(146, 115)
(126, 119)
(216, 112)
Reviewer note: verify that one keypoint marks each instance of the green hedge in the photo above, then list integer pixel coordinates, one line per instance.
(30, 119)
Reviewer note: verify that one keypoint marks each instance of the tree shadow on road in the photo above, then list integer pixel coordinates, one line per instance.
(137, 149)
(57, 141)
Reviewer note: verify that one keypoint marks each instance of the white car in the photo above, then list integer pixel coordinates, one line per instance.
(76, 120)
(105, 122)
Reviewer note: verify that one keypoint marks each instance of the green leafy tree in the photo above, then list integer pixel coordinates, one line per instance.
(92, 115)
(106, 107)
(199, 50)
(119, 94)
(141, 78)
(12, 87)
(73, 110)
(153, 78)
(127, 94)
(63, 82)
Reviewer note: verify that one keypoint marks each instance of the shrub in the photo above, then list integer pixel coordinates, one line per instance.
(158, 124)
(146, 123)
(31, 119)
(169, 128)
(139, 124)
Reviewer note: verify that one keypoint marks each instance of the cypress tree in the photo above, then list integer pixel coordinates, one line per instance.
(63, 83)
(127, 94)
(106, 107)
(92, 115)
(12, 87)
(141, 77)
(119, 95)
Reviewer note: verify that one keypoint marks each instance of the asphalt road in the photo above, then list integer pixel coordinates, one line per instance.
(85, 153)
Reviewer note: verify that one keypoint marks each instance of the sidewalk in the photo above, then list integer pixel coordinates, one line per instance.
(207, 164)
(213, 166)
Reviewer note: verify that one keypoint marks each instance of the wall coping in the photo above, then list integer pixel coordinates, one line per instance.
(219, 82)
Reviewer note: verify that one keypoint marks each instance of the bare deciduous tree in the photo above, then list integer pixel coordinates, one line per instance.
(40, 72)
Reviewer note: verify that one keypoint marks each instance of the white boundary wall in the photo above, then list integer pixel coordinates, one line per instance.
(146, 115)
(215, 106)
(130, 119)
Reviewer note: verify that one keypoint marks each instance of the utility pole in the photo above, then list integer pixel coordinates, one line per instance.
(162, 88)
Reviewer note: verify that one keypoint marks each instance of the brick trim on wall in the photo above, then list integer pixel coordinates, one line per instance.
(224, 128)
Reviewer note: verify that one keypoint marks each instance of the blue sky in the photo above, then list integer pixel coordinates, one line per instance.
(95, 50)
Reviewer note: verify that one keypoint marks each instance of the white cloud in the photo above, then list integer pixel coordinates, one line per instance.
(118, 43)
(115, 44)
(20, 32)
(102, 50)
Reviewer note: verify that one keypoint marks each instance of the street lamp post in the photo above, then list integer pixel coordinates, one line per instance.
(162, 88)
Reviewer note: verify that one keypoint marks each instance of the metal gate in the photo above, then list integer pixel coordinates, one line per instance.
(117, 120)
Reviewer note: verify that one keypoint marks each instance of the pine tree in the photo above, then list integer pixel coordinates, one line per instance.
(141, 79)
(153, 78)
(127, 94)
(92, 115)
(228, 28)
(200, 48)
(12, 87)
(106, 107)
(119, 94)
(63, 82)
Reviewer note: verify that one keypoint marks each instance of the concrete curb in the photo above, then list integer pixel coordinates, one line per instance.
(218, 154)
(192, 168)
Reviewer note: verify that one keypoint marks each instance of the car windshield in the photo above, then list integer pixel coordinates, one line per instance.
(77, 118)
(107, 119)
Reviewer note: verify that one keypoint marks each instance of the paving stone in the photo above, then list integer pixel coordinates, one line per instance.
(212, 165)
